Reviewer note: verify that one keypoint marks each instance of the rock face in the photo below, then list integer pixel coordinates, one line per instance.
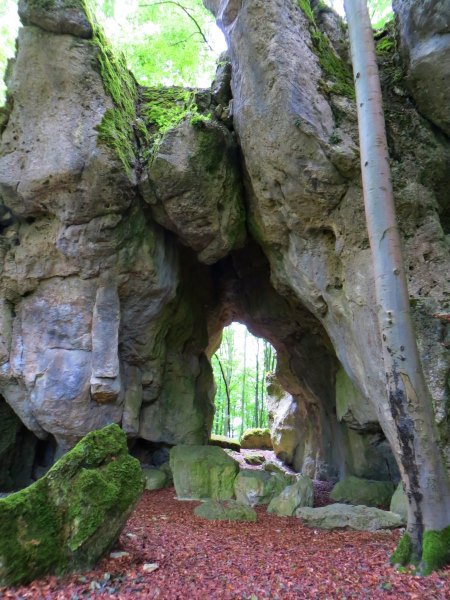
(254, 487)
(120, 271)
(203, 472)
(354, 490)
(294, 496)
(424, 33)
(73, 515)
(342, 516)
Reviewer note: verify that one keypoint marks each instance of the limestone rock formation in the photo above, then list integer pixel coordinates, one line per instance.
(256, 439)
(354, 490)
(297, 495)
(125, 249)
(203, 472)
(343, 516)
(254, 487)
(73, 515)
(424, 34)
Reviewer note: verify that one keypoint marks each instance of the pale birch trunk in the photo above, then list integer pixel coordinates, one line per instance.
(409, 420)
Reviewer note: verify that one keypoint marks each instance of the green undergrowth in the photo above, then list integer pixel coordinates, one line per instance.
(391, 72)
(333, 67)
(435, 551)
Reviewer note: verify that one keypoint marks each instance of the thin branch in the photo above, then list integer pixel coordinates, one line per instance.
(185, 39)
(186, 11)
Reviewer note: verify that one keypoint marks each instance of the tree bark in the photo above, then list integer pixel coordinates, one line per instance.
(408, 418)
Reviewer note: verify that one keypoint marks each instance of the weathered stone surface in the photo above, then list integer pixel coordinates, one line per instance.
(155, 479)
(224, 442)
(354, 490)
(201, 472)
(399, 502)
(255, 459)
(300, 493)
(424, 33)
(343, 516)
(194, 189)
(229, 510)
(73, 515)
(57, 16)
(253, 486)
(256, 439)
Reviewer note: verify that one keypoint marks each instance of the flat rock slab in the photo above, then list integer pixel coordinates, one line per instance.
(345, 516)
(225, 511)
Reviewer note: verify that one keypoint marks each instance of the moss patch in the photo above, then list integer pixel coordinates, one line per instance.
(402, 554)
(435, 550)
(335, 69)
(72, 516)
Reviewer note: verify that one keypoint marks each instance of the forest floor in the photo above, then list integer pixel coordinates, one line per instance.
(166, 552)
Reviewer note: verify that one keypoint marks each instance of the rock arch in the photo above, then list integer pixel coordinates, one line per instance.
(118, 275)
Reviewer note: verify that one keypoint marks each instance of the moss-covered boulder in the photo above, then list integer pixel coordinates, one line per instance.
(73, 515)
(255, 459)
(201, 472)
(155, 479)
(343, 516)
(229, 510)
(354, 490)
(224, 442)
(256, 439)
(259, 487)
(300, 493)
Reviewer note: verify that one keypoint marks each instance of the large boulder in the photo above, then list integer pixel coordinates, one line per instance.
(224, 442)
(254, 486)
(343, 516)
(229, 510)
(155, 479)
(256, 439)
(354, 490)
(294, 496)
(201, 472)
(73, 515)
(399, 502)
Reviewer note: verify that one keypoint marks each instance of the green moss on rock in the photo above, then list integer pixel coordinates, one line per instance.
(224, 442)
(256, 439)
(202, 472)
(68, 519)
(335, 69)
(366, 492)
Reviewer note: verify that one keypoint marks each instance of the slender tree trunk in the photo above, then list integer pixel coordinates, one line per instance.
(244, 390)
(257, 386)
(228, 404)
(408, 419)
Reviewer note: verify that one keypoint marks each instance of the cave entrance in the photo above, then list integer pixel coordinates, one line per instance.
(241, 365)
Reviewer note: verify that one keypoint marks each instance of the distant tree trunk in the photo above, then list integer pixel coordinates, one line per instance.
(256, 417)
(244, 390)
(227, 392)
(407, 418)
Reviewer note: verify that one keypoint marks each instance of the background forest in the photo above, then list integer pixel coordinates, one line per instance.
(240, 366)
(165, 42)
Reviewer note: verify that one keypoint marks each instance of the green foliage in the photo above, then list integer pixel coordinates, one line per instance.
(245, 362)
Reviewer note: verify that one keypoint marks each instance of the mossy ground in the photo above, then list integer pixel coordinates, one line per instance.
(58, 523)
